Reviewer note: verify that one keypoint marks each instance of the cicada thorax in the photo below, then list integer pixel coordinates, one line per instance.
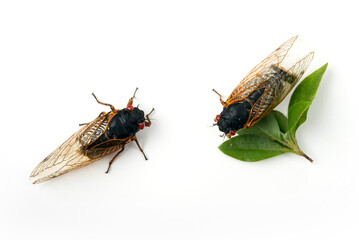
(125, 123)
(115, 129)
(253, 104)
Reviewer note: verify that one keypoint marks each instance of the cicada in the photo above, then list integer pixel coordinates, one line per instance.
(108, 133)
(265, 86)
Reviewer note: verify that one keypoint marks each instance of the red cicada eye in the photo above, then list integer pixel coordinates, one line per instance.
(129, 107)
(217, 118)
(142, 126)
(232, 133)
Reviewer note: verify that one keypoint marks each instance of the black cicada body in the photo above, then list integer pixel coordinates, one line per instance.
(261, 90)
(108, 133)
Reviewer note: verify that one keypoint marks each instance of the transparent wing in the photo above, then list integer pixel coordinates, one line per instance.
(297, 70)
(252, 80)
(70, 155)
(277, 89)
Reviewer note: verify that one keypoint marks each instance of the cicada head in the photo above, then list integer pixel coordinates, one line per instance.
(137, 118)
(233, 117)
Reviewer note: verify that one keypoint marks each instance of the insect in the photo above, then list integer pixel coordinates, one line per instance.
(261, 90)
(108, 133)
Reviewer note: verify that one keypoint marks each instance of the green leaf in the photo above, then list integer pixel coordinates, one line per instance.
(269, 126)
(252, 148)
(250, 131)
(296, 114)
(303, 97)
(281, 120)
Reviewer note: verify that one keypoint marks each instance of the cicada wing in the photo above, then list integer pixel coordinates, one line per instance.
(70, 155)
(259, 108)
(301, 66)
(276, 92)
(252, 80)
(72, 160)
(297, 70)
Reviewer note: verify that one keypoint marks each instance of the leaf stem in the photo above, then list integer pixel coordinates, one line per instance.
(306, 156)
(291, 144)
(298, 151)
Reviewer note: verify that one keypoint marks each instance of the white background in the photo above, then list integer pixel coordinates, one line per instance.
(54, 54)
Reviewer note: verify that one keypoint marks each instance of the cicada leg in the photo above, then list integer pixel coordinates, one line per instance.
(106, 104)
(138, 145)
(220, 98)
(130, 102)
(148, 121)
(114, 157)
